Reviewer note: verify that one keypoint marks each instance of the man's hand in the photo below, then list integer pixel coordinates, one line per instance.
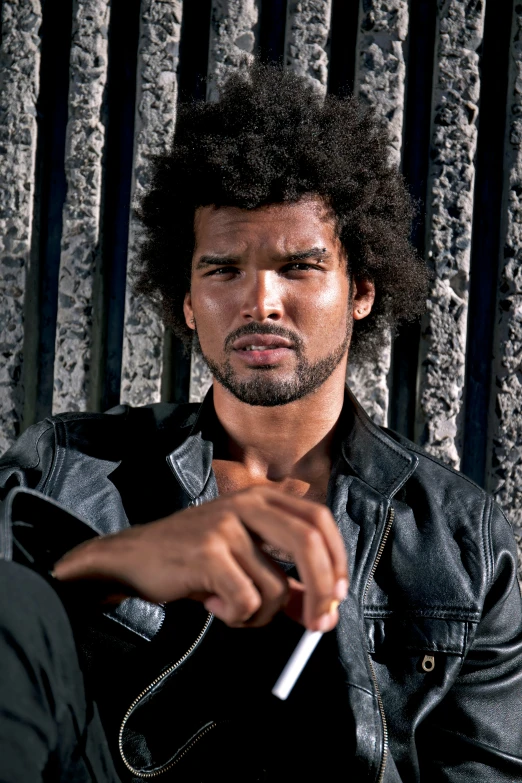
(212, 553)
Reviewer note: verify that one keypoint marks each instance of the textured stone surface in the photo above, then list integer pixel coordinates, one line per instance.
(379, 83)
(380, 68)
(200, 378)
(449, 221)
(505, 446)
(19, 83)
(233, 30)
(155, 118)
(369, 383)
(81, 214)
(306, 40)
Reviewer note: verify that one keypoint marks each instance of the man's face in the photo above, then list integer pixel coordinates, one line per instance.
(270, 298)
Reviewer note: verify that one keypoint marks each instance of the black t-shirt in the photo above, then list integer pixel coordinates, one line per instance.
(309, 733)
(226, 683)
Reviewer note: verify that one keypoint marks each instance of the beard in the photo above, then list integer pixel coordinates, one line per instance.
(265, 388)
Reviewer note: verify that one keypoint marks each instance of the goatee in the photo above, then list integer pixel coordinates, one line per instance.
(265, 388)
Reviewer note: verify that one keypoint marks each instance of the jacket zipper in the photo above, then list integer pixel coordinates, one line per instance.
(385, 746)
(208, 727)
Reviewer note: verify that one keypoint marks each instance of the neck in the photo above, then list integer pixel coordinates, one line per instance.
(292, 440)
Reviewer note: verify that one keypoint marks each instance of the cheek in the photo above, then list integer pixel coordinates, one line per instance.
(327, 305)
(214, 316)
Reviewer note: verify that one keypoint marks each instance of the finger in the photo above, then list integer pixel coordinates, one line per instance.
(238, 596)
(269, 580)
(320, 517)
(294, 606)
(281, 529)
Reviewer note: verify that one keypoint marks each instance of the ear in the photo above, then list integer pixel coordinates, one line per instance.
(188, 311)
(363, 298)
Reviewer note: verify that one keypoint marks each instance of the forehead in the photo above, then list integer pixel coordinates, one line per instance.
(279, 227)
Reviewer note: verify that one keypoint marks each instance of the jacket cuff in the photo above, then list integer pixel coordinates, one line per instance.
(36, 531)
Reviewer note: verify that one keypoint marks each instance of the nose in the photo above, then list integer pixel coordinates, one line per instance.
(262, 299)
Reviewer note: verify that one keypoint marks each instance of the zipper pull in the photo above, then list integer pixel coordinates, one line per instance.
(428, 663)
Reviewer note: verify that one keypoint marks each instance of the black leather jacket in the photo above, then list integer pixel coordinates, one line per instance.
(430, 635)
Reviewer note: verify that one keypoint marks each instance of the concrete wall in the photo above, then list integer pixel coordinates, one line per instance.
(88, 92)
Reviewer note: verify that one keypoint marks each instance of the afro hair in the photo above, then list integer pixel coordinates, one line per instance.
(271, 138)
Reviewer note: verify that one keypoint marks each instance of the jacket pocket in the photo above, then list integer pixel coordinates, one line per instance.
(392, 633)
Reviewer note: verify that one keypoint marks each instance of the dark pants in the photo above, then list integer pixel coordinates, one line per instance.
(49, 728)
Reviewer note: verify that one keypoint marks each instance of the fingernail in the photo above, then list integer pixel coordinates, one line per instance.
(341, 589)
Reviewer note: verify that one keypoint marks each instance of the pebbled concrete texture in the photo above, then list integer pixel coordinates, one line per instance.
(79, 259)
(233, 37)
(380, 67)
(369, 383)
(449, 221)
(505, 441)
(306, 40)
(19, 84)
(155, 120)
(379, 83)
(200, 378)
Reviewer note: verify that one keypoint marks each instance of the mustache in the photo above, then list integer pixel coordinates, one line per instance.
(253, 328)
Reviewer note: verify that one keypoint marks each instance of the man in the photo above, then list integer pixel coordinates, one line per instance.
(276, 236)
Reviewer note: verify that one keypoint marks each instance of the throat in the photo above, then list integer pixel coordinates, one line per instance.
(232, 476)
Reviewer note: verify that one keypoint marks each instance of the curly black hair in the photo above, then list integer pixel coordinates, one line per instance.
(270, 139)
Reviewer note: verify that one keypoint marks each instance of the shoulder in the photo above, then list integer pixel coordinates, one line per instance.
(106, 437)
(440, 477)
(450, 507)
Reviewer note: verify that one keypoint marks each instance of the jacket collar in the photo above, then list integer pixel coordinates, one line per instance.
(370, 453)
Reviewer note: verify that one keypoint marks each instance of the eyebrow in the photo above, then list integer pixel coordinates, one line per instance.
(319, 253)
(217, 261)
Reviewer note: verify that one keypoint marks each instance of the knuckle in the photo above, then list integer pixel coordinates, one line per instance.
(246, 604)
(323, 516)
(226, 524)
(211, 546)
(311, 539)
(276, 590)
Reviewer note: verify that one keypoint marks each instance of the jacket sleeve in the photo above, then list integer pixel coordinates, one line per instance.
(475, 734)
(35, 530)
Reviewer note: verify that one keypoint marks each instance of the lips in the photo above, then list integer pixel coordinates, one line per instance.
(260, 342)
(262, 350)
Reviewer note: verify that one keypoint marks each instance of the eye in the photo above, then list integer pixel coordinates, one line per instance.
(221, 271)
(299, 266)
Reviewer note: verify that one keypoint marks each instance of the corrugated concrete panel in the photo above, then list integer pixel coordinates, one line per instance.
(79, 258)
(233, 37)
(369, 383)
(306, 40)
(449, 221)
(505, 442)
(158, 60)
(379, 82)
(19, 84)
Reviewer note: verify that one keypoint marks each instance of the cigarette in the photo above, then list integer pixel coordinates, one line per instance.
(297, 661)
